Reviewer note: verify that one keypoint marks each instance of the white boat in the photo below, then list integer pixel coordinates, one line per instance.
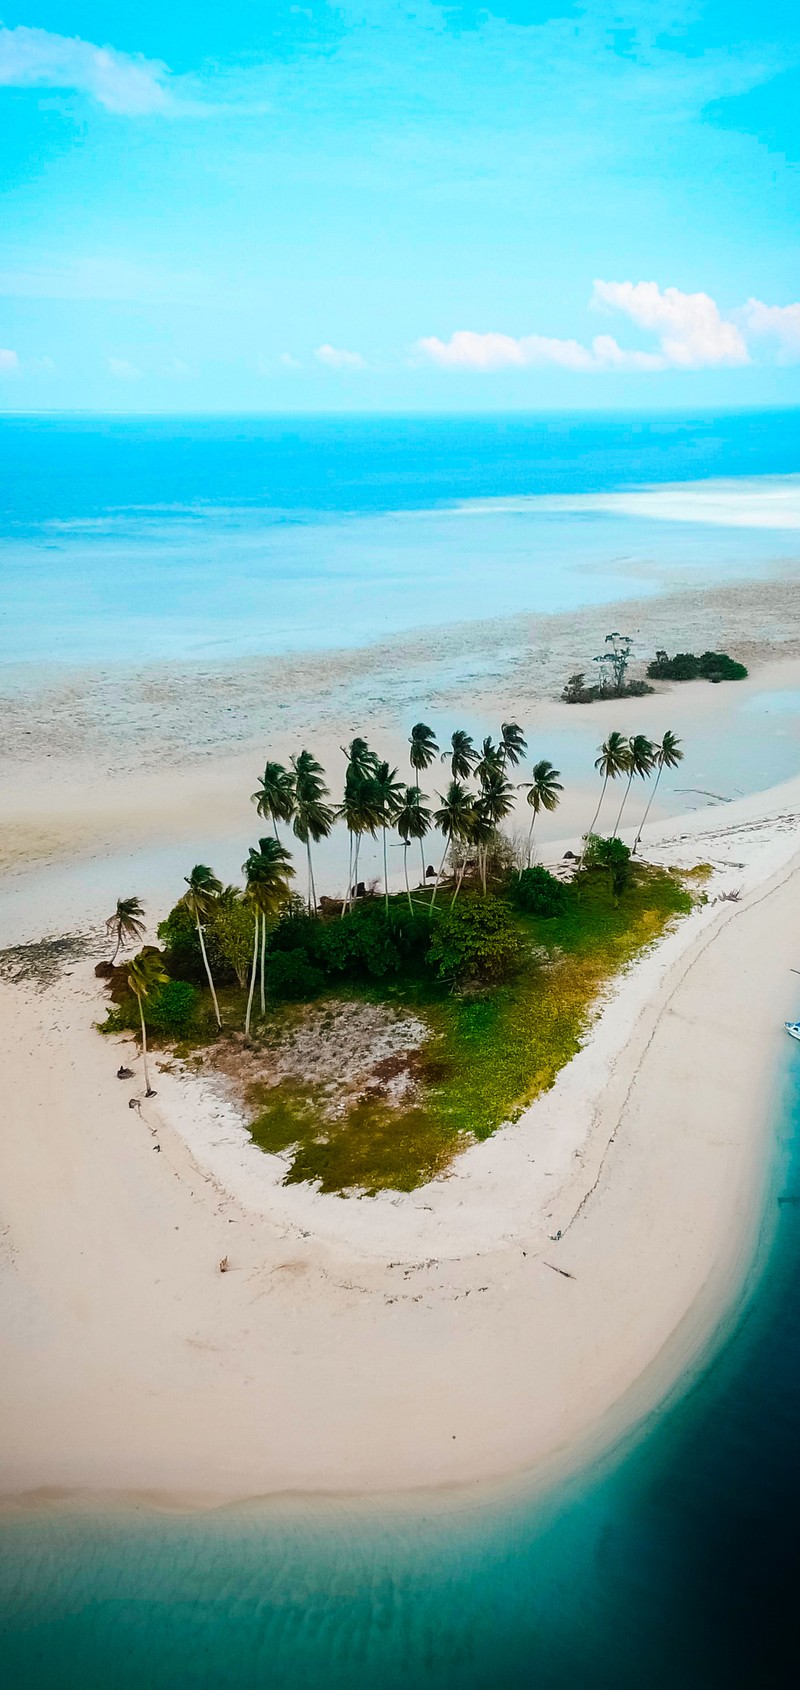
(793, 1028)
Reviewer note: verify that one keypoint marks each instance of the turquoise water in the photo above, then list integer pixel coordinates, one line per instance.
(671, 1565)
(177, 538)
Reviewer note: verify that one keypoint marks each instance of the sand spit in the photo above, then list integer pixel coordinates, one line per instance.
(444, 1338)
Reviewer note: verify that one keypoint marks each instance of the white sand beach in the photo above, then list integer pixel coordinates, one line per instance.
(502, 1320)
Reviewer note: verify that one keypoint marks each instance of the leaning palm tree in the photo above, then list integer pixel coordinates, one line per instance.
(388, 797)
(489, 762)
(640, 759)
(267, 873)
(611, 761)
(513, 744)
(543, 793)
(274, 796)
(204, 890)
(667, 755)
(313, 818)
(462, 755)
(361, 763)
(412, 821)
(145, 973)
(422, 747)
(126, 925)
(453, 820)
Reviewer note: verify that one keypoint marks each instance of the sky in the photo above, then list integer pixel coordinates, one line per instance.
(376, 205)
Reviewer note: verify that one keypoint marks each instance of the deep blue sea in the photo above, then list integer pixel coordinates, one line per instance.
(672, 1565)
(189, 538)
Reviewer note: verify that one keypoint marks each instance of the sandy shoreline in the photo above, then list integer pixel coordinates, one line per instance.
(430, 1343)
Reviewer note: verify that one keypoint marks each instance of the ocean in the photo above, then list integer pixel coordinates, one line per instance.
(177, 539)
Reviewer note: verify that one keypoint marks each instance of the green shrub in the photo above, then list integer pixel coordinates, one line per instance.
(232, 926)
(537, 892)
(613, 855)
(291, 975)
(685, 666)
(170, 1011)
(368, 944)
(475, 940)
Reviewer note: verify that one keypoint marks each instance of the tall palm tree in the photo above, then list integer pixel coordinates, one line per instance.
(145, 973)
(641, 755)
(422, 747)
(126, 925)
(667, 755)
(453, 820)
(489, 762)
(204, 889)
(462, 755)
(543, 793)
(313, 818)
(496, 802)
(388, 795)
(274, 797)
(412, 821)
(482, 830)
(611, 761)
(267, 873)
(361, 763)
(513, 744)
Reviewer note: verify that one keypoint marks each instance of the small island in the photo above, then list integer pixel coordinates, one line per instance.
(370, 1039)
(614, 682)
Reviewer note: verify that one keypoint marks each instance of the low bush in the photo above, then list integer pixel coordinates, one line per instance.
(475, 940)
(171, 1011)
(611, 854)
(364, 944)
(292, 976)
(537, 892)
(712, 666)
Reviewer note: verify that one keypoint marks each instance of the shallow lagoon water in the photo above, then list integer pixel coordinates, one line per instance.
(671, 1562)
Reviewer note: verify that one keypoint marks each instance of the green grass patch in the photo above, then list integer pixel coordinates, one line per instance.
(375, 1147)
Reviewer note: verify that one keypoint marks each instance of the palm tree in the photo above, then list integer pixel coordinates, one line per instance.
(267, 873)
(542, 793)
(612, 761)
(489, 762)
(126, 925)
(412, 821)
(496, 802)
(667, 755)
(313, 818)
(361, 763)
(422, 747)
(274, 797)
(640, 758)
(204, 889)
(145, 972)
(462, 755)
(513, 744)
(388, 797)
(482, 830)
(453, 820)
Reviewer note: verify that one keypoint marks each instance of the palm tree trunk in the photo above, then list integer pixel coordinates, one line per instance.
(422, 856)
(312, 896)
(346, 904)
(482, 858)
(208, 970)
(385, 874)
(116, 948)
(355, 863)
(593, 823)
(462, 871)
(263, 961)
(439, 874)
(252, 981)
(622, 805)
(405, 871)
(647, 812)
(148, 1090)
(530, 837)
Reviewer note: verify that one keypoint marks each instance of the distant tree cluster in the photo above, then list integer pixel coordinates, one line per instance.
(712, 666)
(612, 675)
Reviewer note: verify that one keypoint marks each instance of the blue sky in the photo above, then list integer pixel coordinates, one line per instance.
(372, 205)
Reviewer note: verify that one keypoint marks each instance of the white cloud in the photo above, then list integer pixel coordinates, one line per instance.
(779, 323)
(692, 332)
(337, 358)
(124, 370)
(466, 350)
(123, 83)
(8, 360)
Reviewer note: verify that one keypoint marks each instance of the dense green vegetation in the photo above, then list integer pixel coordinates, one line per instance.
(712, 666)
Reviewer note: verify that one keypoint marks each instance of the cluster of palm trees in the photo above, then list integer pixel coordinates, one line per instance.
(637, 757)
(377, 800)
